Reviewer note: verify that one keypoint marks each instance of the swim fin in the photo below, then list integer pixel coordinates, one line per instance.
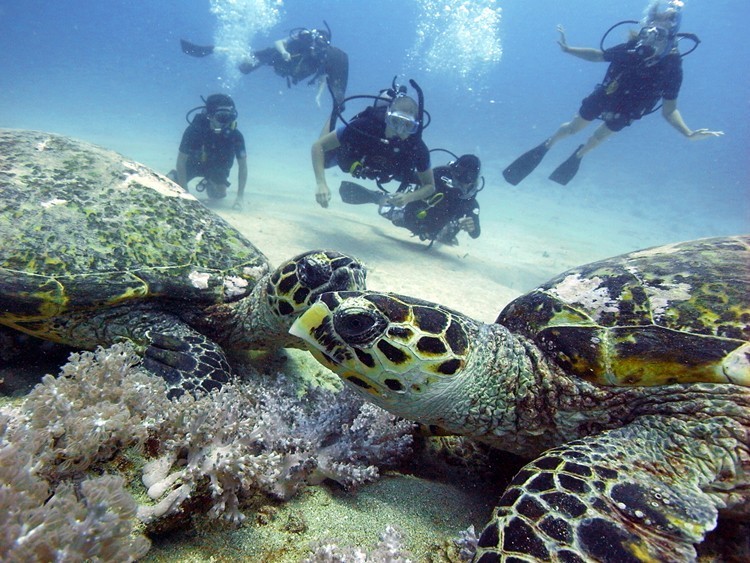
(356, 194)
(196, 50)
(568, 169)
(525, 164)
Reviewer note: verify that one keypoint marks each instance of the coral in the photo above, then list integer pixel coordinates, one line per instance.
(99, 405)
(252, 436)
(261, 437)
(388, 550)
(467, 543)
(91, 521)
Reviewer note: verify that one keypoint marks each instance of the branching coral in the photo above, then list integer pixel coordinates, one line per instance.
(92, 521)
(250, 437)
(263, 438)
(99, 404)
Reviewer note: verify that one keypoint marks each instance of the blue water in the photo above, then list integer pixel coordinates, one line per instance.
(112, 73)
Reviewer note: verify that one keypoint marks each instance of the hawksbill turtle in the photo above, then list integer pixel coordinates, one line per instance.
(98, 249)
(628, 381)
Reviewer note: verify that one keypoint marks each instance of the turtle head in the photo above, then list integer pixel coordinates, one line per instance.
(300, 281)
(402, 353)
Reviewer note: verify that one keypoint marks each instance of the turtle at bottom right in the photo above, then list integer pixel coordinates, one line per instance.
(626, 381)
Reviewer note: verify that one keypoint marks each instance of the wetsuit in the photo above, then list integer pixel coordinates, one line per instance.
(308, 60)
(364, 154)
(211, 155)
(449, 209)
(631, 89)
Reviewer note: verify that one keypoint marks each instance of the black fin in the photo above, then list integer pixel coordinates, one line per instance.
(196, 50)
(525, 164)
(568, 169)
(356, 194)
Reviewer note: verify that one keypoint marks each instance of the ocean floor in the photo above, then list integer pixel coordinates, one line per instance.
(427, 514)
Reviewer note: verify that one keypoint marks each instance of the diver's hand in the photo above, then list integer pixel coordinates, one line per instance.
(399, 199)
(237, 205)
(467, 224)
(562, 41)
(323, 195)
(286, 55)
(699, 134)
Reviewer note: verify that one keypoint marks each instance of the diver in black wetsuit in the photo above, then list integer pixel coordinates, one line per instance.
(209, 147)
(451, 209)
(643, 71)
(306, 53)
(382, 143)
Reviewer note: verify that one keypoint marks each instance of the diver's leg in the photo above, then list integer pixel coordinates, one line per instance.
(329, 125)
(259, 58)
(600, 135)
(528, 161)
(568, 169)
(567, 129)
(337, 71)
(249, 65)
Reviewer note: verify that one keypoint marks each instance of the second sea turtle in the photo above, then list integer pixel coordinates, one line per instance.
(627, 380)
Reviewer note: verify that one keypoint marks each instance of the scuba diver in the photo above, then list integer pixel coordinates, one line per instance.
(451, 209)
(208, 148)
(382, 143)
(303, 54)
(642, 71)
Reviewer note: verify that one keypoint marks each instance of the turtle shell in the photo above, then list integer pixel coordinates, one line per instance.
(84, 227)
(678, 313)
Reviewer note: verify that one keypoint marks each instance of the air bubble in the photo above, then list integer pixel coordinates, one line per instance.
(238, 22)
(464, 32)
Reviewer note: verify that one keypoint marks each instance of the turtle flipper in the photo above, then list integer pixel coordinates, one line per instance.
(191, 362)
(636, 493)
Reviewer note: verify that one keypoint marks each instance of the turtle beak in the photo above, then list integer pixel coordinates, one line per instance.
(311, 321)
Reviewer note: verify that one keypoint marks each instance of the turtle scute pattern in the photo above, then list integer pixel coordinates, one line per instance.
(639, 475)
(85, 227)
(611, 498)
(678, 313)
(425, 342)
(293, 283)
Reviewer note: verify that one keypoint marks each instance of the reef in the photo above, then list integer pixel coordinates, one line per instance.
(97, 459)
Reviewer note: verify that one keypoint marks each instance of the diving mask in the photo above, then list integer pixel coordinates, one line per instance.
(653, 34)
(465, 175)
(402, 124)
(224, 116)
(319, 38)
(653, 42)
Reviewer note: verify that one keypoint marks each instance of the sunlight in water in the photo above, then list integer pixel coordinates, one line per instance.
(461, 37)
(238, 21)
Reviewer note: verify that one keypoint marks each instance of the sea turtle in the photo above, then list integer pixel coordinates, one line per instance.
(627, 379)
(97, 249)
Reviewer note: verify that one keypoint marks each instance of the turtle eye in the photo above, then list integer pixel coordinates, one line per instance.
(314, 272)
(360, 326)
